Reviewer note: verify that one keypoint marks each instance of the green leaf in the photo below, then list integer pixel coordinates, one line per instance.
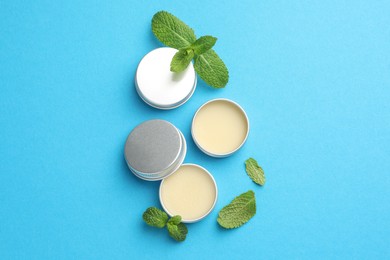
(212, 69)
(177, 232)
(155, 217)
(203, 44)
(181, 60)
(254, 171)
(239, 211)
(171, 31)
(174, 33)
(175, 220)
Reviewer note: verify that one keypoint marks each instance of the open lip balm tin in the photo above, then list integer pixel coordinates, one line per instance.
(220, 127)
(190, 192)
(155, 150)
(158, 86)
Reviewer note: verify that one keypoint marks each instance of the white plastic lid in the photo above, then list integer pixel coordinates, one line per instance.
(158, 86)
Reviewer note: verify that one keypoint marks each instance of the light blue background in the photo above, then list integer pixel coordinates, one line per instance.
(313, 76)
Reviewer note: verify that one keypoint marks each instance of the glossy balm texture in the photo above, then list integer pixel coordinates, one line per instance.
(190, 192)
(220, 127)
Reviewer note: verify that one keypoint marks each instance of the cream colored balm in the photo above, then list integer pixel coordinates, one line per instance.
(190, 192)
(220, 127)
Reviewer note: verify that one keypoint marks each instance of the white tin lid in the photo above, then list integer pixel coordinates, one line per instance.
(158, 86)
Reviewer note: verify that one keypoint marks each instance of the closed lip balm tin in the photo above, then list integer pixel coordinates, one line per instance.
(158, 86)
(155, 149)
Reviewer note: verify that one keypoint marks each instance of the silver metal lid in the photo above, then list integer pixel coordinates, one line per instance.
(155, 149)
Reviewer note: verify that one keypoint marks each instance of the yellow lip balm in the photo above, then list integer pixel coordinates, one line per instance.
(190, 192)
(220, 127)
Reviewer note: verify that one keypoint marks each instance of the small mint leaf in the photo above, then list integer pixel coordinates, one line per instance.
(155, 217)
(203, 44)
(254, 171)
(212, 69)
(171, 31)
(177, 232)
(238, 212)
(175, 220)
(181, 60)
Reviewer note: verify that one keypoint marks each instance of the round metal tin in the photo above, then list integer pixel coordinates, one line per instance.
(213, 154)
(155, 149)
(158, 86)
(171, 214)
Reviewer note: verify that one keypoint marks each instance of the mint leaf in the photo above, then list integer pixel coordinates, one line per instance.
(239, 211)
(175, 220)
(203, 44)
(155, 217)
(181, 60)
(177, 232)
(254, 171)
(212, 69)
(171, 31)
(174, 33)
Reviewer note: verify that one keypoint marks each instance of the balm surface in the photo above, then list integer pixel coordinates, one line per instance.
(220, 127)
(190, 192)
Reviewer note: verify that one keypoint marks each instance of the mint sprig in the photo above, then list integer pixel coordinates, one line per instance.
(254, 171)
(238, 212)
(174, 33)
(171, 31)
(203, 44)
(181, 60)
(211, 69)
(176, 229)
(157, 218)
(175, 220)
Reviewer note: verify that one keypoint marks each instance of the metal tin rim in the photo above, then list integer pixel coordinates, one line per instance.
(172, 106)
(165, 107)
(219, 155)
(167, 171)
(211, 208)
